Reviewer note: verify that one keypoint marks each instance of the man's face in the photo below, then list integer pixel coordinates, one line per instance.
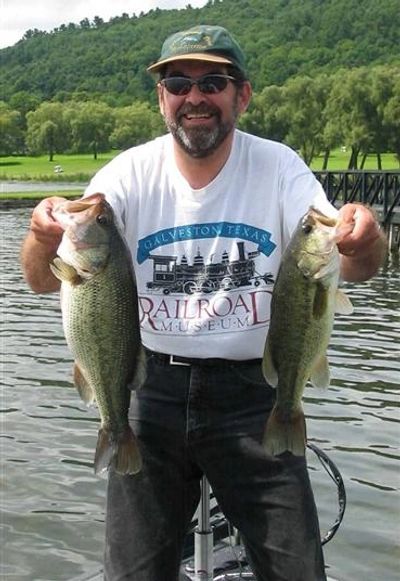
(201, 122)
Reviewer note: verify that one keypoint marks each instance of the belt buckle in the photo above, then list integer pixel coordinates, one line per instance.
(172, 361)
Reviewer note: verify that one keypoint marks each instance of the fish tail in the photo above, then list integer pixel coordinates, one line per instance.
(104, 451)
(285, 433)
(124, 453)
(128, 459)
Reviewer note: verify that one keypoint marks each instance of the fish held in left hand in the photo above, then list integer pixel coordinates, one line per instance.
(101, 323)
(304, 301)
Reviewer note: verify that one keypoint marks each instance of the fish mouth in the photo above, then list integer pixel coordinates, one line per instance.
(68, 213)
(340, 228)
(327, 221)
(318, 217)
(83, 203)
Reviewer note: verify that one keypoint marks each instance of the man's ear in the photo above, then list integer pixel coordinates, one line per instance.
(245, 93)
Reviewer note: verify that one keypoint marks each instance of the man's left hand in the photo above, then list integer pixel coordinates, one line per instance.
(363, 247)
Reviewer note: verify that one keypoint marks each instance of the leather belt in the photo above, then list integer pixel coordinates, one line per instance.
(166, 359)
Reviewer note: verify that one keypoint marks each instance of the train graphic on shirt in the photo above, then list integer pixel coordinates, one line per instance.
(178, 276)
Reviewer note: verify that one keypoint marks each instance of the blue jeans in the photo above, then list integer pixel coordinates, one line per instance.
(200, 420)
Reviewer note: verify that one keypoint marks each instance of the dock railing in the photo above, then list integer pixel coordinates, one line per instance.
(379, 189)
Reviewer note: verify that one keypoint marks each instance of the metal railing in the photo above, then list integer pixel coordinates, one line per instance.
(379, 189)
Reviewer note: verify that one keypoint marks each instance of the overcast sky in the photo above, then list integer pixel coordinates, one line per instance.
(18, 16)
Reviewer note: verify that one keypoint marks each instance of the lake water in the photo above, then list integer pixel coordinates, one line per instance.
(52, 505)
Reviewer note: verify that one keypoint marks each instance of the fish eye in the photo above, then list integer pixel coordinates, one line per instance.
(306, 225)
(102, 219)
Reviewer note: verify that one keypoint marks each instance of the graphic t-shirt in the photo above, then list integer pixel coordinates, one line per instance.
(206, 259)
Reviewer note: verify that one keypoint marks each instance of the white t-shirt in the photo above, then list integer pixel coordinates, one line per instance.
(206, 260)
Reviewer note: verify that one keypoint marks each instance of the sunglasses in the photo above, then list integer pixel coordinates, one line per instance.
(208, 84)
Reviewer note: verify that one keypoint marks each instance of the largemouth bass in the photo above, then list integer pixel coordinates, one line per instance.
(304, 300)
(100, 320)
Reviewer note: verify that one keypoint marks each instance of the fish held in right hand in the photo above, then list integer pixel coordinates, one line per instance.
(101, 323)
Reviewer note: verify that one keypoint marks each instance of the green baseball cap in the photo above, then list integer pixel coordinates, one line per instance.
(205, 43)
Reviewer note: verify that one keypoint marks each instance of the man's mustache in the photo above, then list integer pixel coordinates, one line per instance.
(201, 109)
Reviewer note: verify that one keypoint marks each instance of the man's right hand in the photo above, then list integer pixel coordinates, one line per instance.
(40, 247)
(44, 227)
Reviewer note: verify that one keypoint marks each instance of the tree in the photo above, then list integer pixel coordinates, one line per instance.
(391, 118)
(97, 21)
(293, 113)
(47, 135)
(303, 107)
(91, 124)
(264, 115)
(85, 23)
(135, 124)
(47, 130)
(347, 111)
(23, 101)
(356, 109)
(382, 91)
(11, 136)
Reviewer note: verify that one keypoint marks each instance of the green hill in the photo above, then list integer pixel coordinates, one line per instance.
(281, 38)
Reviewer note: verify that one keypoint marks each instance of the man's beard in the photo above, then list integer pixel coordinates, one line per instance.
(200, 141)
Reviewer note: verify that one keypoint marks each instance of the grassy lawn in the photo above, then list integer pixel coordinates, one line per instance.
(79, 168)
(339, 160)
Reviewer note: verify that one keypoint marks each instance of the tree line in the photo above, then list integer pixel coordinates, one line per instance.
(76, 127)
(280, 38)
(357, 108)
(325, 74)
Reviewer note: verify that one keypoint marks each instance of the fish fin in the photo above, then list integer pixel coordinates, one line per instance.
(124, 454)
(320, 374)
(343, 304)
(268, 367)
(64, 272)
(285, 434)
(82, 385)
(104, 451)
(128, 459)
(140, 372)
(325, 271)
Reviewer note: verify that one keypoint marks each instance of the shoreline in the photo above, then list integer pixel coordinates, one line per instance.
(36, 190)
(23, 199)
(20, 193)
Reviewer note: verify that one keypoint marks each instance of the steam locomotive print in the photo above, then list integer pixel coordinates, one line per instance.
(170, 276)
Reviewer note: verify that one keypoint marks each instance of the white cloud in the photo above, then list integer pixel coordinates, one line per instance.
(18, 16)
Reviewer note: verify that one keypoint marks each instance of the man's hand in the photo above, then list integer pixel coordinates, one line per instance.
(40, 247)
(363, 248)
(43, 226)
